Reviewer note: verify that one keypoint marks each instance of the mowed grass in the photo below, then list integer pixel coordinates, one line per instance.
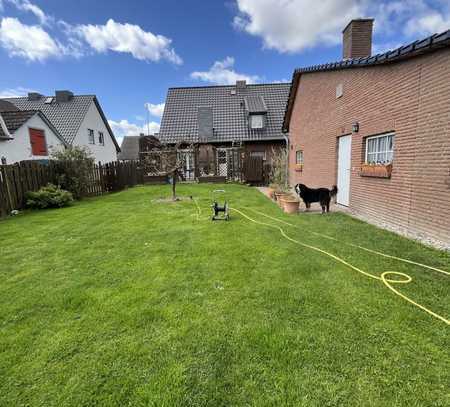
(124, 300)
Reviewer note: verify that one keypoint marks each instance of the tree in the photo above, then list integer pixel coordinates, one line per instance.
(73, 166)
(166, 160)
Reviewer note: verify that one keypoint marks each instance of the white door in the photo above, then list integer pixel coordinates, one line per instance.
(187, 158)
(344, 165)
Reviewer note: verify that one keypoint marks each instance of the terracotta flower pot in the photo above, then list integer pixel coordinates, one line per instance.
(279, 198)
(291, 205)
(271, 193)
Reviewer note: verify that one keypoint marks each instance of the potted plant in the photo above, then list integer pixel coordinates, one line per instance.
(278, 172)
(290, 204)
(271, 190)
(280, 194)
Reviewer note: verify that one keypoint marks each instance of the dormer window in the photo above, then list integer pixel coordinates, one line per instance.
(257, 121)
(257, 110)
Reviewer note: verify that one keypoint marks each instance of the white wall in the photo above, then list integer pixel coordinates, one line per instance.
(19, 149)
(93, 120)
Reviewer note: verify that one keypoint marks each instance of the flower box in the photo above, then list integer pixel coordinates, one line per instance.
(376, 170)
(298, 167)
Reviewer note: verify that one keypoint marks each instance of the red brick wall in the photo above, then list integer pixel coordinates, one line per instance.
(411, 98)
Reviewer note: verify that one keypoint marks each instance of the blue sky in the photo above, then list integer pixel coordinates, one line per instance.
(129, 53)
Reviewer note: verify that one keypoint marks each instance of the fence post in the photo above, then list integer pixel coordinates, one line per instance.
(8, 191)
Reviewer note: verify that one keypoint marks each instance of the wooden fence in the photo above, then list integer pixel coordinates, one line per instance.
(17, 179)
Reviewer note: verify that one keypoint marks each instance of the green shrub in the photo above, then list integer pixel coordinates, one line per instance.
(278, 173)
(49, 196)
(73, 167)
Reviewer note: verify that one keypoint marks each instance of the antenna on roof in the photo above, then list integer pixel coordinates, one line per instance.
(146, 105)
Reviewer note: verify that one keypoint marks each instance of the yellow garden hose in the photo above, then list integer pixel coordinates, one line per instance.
(404, 278)
(354, 245)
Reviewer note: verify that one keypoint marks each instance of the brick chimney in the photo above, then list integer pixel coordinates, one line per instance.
(241, 84)
(63, 96)
(33, 96)
(357, 38)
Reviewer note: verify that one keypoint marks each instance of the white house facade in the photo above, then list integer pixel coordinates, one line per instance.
(94, 135)
(27, 135)
(79, 119)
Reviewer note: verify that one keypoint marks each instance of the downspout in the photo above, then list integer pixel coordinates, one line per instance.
(286, 139)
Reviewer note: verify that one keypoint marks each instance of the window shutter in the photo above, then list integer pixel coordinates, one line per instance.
(38, 143)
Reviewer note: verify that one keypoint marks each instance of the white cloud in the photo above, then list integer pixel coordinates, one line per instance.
(124, 128)
(34, 43)
(428, 24)
(127, 38)
(28, 41)
(14, 92)
(26, 5)
(155, 110)
(380, 48)
(297, 25)
(222, 73)
(412, 18)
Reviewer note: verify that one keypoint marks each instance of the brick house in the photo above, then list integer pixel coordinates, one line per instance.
(391, 111)
(220, 118)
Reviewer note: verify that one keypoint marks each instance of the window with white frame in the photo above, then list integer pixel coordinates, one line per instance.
(101, 138)
(380, 149)
(257, 121)
(299, 157)
(91, 137)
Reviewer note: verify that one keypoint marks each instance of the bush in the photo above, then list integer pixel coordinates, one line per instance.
(73, 166)
(278, 174)
(49, 196)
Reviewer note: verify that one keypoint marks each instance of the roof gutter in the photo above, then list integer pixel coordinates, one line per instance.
(290, 102)
(421, 47)
(5, 130)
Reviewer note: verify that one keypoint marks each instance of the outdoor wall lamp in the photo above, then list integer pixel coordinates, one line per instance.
(355, 127)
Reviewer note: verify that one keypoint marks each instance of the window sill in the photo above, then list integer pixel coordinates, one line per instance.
(376, 170)
(298, 168)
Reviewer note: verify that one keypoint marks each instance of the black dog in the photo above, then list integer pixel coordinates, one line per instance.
(322, 195)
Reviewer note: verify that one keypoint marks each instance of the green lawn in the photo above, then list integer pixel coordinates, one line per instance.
(123, 300)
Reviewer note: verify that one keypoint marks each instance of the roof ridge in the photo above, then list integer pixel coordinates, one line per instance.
(416, 48)
(20, 111)
(228, 86)
(391, 55)
(44, 97)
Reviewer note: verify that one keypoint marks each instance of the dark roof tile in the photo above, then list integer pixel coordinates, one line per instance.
(15, 119)
(129, 150)
(230, 122)
(66, 117)
(255, 104)
(411, 50)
